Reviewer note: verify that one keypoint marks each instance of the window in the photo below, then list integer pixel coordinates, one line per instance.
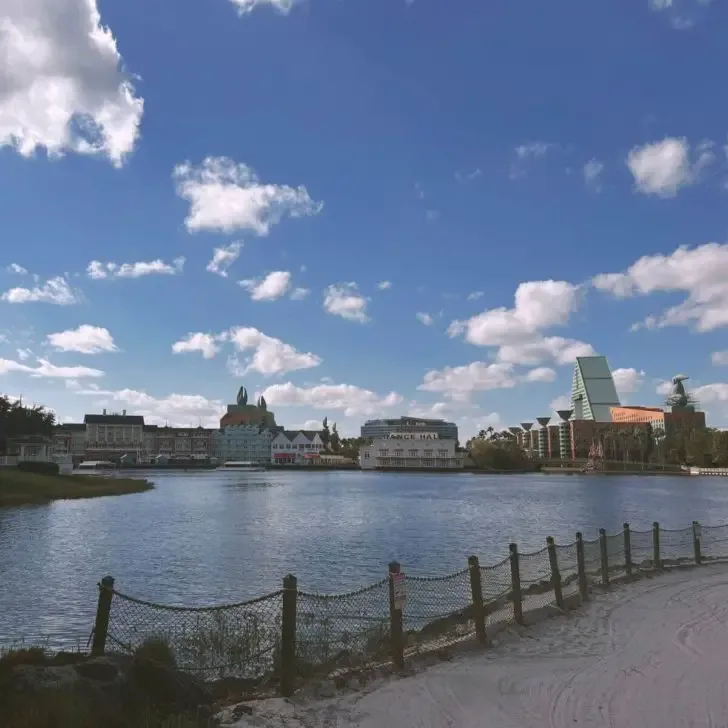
(398, 453)
(383, 453)
(428, 453)
(428, 463)
(366, 455)
(442, 453)
(413, 453)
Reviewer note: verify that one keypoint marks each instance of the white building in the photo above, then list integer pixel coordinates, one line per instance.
(295, 447)
(411, 450)
(244, 443)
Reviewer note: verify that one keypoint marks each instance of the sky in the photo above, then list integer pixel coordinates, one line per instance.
(361, 208)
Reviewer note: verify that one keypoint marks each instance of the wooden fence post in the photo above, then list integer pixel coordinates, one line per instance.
(627, 549)
(697, 533)
(603, 550)
(103, 613)
(516, 585)
(555, 574)
(396, 628)
(288, 635)
(581, 567)
(476, 589)
(656, 560)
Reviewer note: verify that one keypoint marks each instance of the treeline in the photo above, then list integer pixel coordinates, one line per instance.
(347, 447)
(17, 420)
(493, 450)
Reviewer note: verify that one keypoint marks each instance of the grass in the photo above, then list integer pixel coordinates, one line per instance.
(22, 488)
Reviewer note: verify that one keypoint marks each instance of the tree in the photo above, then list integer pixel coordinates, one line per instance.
(19, 421)
(325, 433)
(335, 440)
(496, 451)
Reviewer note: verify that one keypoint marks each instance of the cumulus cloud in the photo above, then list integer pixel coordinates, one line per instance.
(344, 299)
(298, 294)
(55, 290)
(701, 272)
(85, 339)
(17, 269)
(517, 331)
(46, 370)
(99, 271)
(663, 167)
(384, 285)
(207, 344)
(627, 381)
(225, 196)
(223, 257)
(247, 6)
(424, 318)
(270, 355)
(61, 83)
(541, 374)
(528, 152)
(347, 397)
(272, 287)
(592, 174)
(719, 358)
(460, 382)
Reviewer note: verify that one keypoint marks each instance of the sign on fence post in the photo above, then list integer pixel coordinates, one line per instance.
(399, 590)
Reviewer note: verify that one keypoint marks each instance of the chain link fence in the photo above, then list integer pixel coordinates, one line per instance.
(304, 634)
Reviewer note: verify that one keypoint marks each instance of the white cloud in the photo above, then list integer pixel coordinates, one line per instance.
(61, 83)
(468, 176)
(541, 374)
(475, 295)
(177, 410)
(460, 382)
(223, 258)
(47, 370)
(100, 271)
(347, 397)
(270, 356)
(627, 381)
(55, 290)
(247, 6)
(517, 331)
(709, 393)
(384, 285)
(84, 340)
(701, 272)
(425, 318)
(719, 358)
(664, 388)
(663, 167)
(526, 152)
(344, 299)
(17, 269)
(24, 354)
(270, 288)
(592, 174)
(206, 344)
(225, 196)
(682, 14)
(562, 402)
(298, 294)
(308, 425)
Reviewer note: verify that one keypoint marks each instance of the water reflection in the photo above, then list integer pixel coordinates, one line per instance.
(213, 537)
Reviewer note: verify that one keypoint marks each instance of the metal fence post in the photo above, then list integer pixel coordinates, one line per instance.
(555, 575)
(516, 585)
(697, 533)
(656, 561)
(476, 589)
(605, 555)
(288, 635)
(103, 613)
(396, 628)
(627, 550)
(581, 567)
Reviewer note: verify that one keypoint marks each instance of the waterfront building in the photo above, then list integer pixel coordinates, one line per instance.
(180, 443)
(242, 413)
(70, 439)
(378, 429)
(113, 436)
(411, 450)
(295, 447)
(593, 393)
(245, 443)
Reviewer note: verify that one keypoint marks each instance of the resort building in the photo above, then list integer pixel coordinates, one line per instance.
(242, 413)
(593, 393)
(244, 443)
(113, 436)
(378, 429)
(295, 447)
(180, 443)
(70, 439)
(411, 450)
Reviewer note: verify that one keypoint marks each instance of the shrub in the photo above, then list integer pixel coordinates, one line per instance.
(39, 467)
(157, 650)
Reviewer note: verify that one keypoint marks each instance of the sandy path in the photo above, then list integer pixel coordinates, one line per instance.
(652, 654)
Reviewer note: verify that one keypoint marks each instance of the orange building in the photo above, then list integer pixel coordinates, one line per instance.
(657, 417)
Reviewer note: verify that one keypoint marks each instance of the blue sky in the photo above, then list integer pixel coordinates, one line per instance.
(361, 208)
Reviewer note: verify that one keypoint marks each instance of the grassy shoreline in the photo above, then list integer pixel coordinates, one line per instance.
(18, 488)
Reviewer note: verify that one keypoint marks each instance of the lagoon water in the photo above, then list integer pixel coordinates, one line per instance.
(217, 537)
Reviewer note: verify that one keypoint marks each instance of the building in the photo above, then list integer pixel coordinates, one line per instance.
(180, 443)
(381, 429)
(70, 439)
(411, 450)
(243, 443)
(242, 413)
(113, 436)
(593, 393)
(295, 447)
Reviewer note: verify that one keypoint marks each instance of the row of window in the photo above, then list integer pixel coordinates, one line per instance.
(426, 463)
(413, 453)
(308, 446)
